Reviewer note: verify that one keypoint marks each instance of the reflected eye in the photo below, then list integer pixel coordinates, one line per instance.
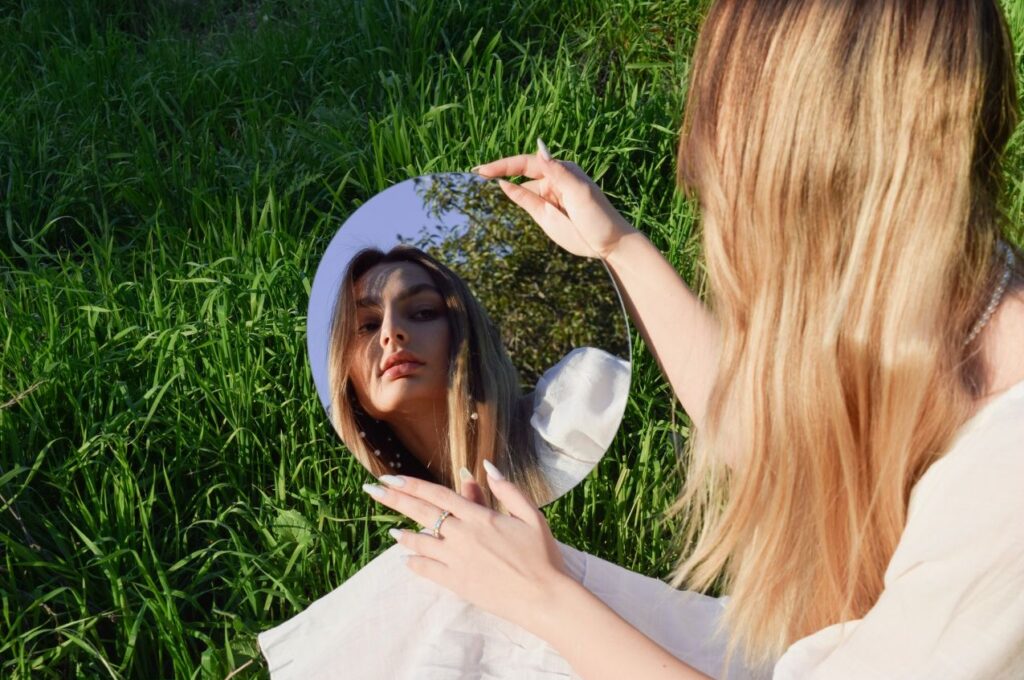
(368, 327)
(427, 314)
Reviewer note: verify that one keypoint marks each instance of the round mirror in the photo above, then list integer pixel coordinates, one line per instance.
(444, 328)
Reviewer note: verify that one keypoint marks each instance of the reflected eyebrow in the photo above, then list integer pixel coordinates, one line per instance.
(371, 301)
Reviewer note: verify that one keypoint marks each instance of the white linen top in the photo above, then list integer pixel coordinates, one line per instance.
(952, 608)
(387, 623)
(953, 602)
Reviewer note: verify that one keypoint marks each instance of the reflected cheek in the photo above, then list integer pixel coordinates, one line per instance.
(363, 375)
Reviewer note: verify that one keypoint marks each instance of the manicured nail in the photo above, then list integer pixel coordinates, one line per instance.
(391, 480)
(492, 471)
(475, 169)
(395, 533)
(374, 490)
(542, 149)
(464, 474)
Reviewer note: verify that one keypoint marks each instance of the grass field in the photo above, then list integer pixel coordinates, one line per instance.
(170, 173)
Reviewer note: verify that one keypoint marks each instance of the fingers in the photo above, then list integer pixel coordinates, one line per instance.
(472, 491)
(423, 513)
(528, 165)
(423, 501)
(535, 185)
(421, 542)
(514, 500)
(539, 209)
(431, 569)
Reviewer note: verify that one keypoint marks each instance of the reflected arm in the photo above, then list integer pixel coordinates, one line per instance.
(680, 331)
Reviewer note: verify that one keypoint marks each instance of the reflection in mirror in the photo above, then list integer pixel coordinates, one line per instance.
(445, 328)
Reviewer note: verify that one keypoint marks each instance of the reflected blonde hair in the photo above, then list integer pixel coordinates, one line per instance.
(847, 159)
(481, 380)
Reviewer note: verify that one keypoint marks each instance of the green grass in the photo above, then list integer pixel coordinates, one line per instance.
(169, 178)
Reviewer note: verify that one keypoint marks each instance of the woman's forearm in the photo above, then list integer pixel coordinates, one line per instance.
(679, 330)
(599, 644)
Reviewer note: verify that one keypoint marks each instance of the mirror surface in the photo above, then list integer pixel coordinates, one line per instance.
(560, 319)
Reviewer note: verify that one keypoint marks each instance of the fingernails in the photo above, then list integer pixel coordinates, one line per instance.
(542, 150)
(374, 490)
(464, 474)
(391, 480)
(492, 471)
(475, 169)
(395, 533)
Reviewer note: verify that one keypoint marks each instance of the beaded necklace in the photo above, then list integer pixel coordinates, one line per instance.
(997, 295)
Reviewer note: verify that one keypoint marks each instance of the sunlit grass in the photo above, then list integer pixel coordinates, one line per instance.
(169, 177)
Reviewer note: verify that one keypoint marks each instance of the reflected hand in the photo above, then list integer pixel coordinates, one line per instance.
(508, 565)
(570, 208)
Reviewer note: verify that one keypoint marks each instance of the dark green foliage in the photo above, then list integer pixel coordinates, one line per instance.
(545, 301)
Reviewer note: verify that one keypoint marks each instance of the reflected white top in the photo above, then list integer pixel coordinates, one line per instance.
(953, 603)
(577, 407)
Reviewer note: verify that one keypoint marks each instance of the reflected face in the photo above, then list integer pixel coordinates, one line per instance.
(399, 355)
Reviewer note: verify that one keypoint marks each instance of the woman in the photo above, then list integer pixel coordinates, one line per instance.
(857, 391)
(421, 384)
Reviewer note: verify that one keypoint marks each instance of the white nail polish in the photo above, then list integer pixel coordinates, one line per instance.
(374, 490)
(492, 471)
(395, 533)
(392, 480)
(465, 475)
(542, 149)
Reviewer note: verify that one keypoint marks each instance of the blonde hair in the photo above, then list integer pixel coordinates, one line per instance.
(481, 380)
(847, 159)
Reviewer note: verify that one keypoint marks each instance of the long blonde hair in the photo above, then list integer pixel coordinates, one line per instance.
(481, 380)
(847, 157)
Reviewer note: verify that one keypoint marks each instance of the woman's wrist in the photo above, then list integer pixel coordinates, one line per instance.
(557, 600)
(613, 254)
(600, 644)
(626, 230)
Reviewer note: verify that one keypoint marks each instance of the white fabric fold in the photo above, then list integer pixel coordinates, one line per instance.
(577, 408)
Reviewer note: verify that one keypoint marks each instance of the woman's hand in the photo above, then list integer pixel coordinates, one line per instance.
(508, 565)
(563, 200)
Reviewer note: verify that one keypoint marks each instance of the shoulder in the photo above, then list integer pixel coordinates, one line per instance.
(578, 403)
(584, 371)
(577, 407)
(951, 604)
(981, 477)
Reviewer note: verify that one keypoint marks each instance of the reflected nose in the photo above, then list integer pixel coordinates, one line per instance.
(391, 331)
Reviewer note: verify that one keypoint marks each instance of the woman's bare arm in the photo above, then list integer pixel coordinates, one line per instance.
(680, 331)
(574, 212)
(599, 644)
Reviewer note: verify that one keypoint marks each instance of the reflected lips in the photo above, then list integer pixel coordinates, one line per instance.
(400, 365)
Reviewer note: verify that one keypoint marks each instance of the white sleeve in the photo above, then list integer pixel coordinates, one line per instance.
(577, 408)
(953, 600)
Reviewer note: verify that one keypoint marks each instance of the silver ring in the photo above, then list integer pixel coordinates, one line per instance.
(437, 524)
